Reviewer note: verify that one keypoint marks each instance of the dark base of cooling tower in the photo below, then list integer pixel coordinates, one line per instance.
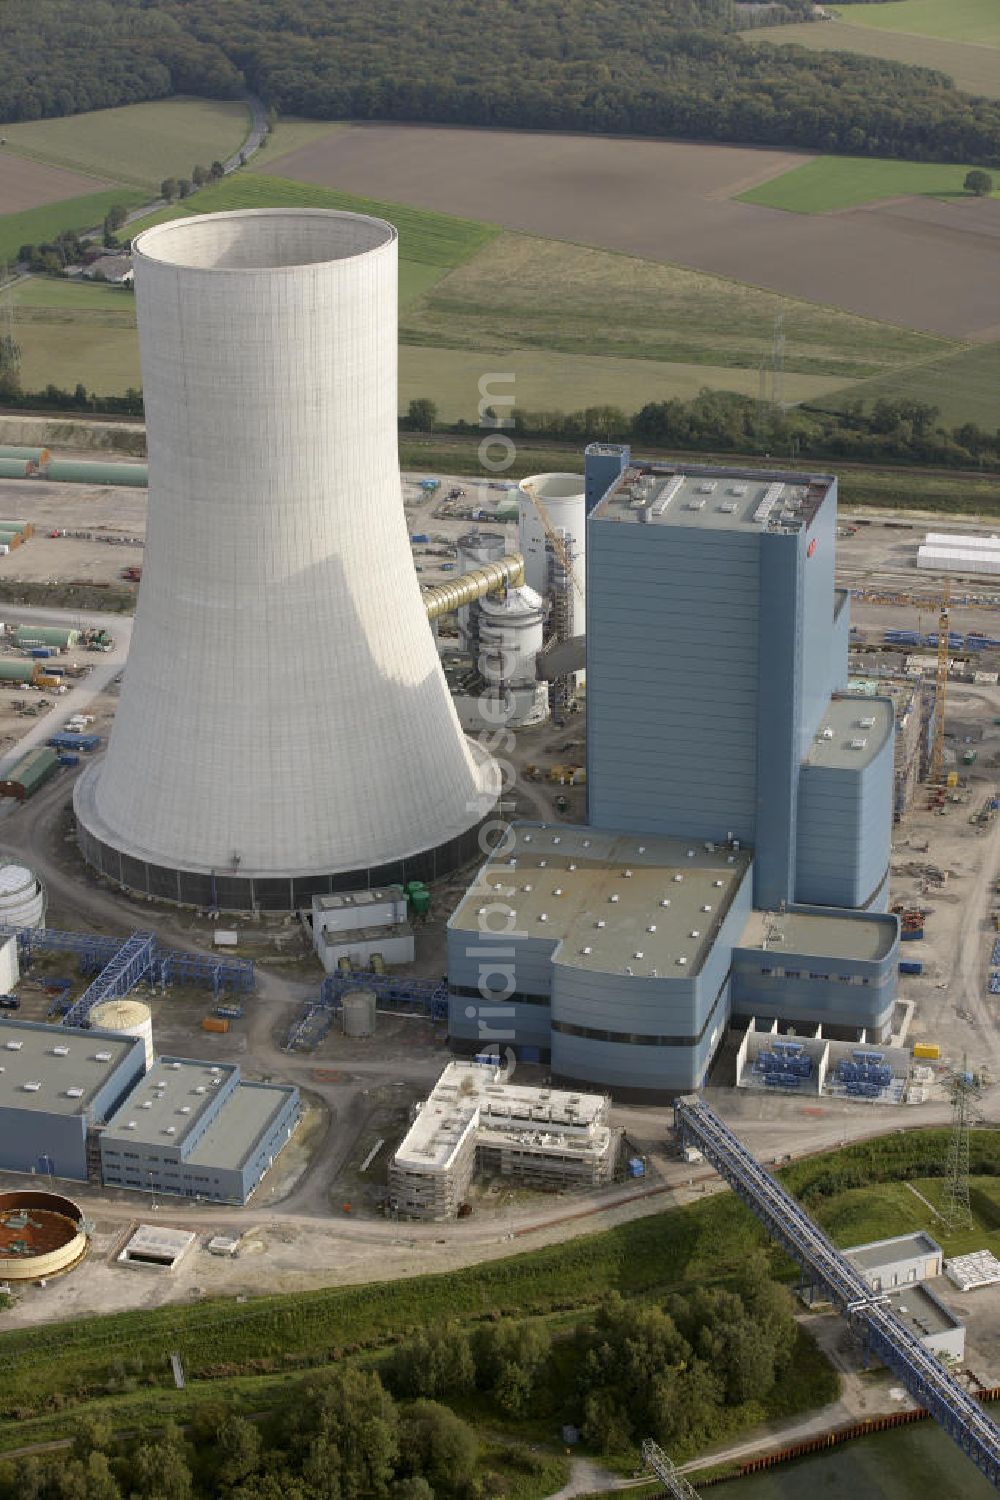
(224, 891)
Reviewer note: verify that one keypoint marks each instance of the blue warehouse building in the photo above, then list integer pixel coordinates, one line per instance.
(194, 1129)
(736, 857)
(57, 1083)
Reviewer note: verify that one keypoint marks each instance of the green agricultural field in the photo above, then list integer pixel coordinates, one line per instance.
(289, 135)
(828, 183)
(36, 225)
(975, 21)
(973, 68)
(138, 144)
(524, 292)
(546, 381)
(963, 385)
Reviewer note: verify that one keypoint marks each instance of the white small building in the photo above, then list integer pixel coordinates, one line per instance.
(358, 924)
(902, 1260)
(935, 1325)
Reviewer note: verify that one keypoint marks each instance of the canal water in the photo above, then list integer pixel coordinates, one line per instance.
(911, 1463)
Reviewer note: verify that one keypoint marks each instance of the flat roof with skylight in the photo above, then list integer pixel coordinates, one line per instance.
(165, 1107)
(713, 499)
(57, 1069)
(613, 903)
(244, 1118)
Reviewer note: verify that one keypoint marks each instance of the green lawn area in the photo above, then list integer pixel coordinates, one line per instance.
(525, 292)
(430, 238)
(958, 20)
(33, 226)
(138, 144)
(832, 182)
(546, 381)
(963, 384)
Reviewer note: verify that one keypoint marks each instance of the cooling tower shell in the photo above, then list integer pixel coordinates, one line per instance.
(129, 1017)
(284, 727)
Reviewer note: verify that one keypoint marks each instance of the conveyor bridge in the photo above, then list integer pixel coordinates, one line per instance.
(869, 1313)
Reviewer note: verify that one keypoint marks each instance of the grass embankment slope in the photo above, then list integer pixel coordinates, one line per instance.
(963, 386)
(828, 183)
(50, 1376)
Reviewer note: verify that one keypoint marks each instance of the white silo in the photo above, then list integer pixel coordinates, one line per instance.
(510, 636)
(284, 725)
(563, 501)
(474, 548)
(130, 1017)
(22, 897)
(357, 1013)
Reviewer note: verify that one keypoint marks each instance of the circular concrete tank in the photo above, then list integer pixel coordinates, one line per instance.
(358, 1013)
(128, 1016)
(41, 1235)
(22, 898)
(564, 501)
(316, 748)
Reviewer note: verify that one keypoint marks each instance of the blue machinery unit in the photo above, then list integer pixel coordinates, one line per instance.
(961, 1416)
(120, 966)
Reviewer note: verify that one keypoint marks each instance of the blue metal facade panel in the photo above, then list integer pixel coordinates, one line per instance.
(50, 1144)
(840, 641)
(121, 1083)
(779, 710)
(602, 465)
(487, 971)
(271, 1143)
(672, 680)
(845, 833)
(817, 552)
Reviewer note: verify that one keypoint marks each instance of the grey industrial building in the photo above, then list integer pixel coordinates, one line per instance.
(57, 1083)
(196, 1130)
(731, 780)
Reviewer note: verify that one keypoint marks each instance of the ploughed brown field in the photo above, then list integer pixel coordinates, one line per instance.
(31, 184)
(917, 262)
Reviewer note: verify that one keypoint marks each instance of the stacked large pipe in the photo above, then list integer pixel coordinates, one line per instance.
(284, 727)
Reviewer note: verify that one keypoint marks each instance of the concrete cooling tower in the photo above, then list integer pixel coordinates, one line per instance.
(284, 726)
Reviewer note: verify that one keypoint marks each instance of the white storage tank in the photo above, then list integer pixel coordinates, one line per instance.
(562, 496)
(22, 897)
(128, 1016)
(474, 549)
(510, 638)
(358, 1013)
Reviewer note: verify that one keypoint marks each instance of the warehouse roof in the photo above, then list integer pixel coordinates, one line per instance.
(244, 1117)
(851, 733)
(57, 1069)
(169, 1102)
(860, 935)
(714, 499)
(921, 1312)
(615, 903)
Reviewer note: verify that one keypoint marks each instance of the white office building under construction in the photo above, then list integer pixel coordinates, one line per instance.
(475, 1119)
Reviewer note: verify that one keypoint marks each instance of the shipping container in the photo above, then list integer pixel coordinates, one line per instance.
(214, 1023)
(69, 760)
(74, 741)
(42, 653)
(929, 1051)
(420, 536)
(910, 966)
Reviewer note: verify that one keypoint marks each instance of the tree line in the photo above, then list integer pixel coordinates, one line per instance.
(674, 69)
(895, 430)
(683, 1373)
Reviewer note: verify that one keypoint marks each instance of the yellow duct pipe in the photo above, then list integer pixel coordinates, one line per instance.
(443, 598)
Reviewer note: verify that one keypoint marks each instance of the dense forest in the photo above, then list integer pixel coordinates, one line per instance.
(674, 69)
(684, 1373)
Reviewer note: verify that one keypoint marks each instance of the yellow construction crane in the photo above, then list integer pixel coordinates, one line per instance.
(940, 688)
(558, 545)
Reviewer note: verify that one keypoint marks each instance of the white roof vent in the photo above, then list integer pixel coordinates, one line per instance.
(558, 891)
(528, 887)
(170, 1130)
(557, 839)
(60, 1051)
(586, 950)
(527, 838)
(858, 744)
(543, 916)
(586, 843)
(572, 867)
(102, 1056)
(542, 863)
(868, 722)
(614, 900)
(665, 901)
(75, 1092)
(14, 1046)
(174, 1066)
(129, 1125)
(638, 953)
(651, 927)
(146, 1104)
(32, 1087)
(627, 874)
(201, 1089)
(678, 878)
(690, 854)
(642, 848)
(696, 932)
(828, 733)
(706, 908)
(185, 1109)
(719, 882)
(682, 960)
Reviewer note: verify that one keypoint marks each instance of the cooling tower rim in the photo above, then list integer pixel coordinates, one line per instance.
(156, 243)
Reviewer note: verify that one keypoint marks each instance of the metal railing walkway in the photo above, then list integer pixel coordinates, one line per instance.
(927, 1381)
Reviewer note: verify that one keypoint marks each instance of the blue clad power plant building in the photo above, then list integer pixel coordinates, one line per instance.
(736, 856)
